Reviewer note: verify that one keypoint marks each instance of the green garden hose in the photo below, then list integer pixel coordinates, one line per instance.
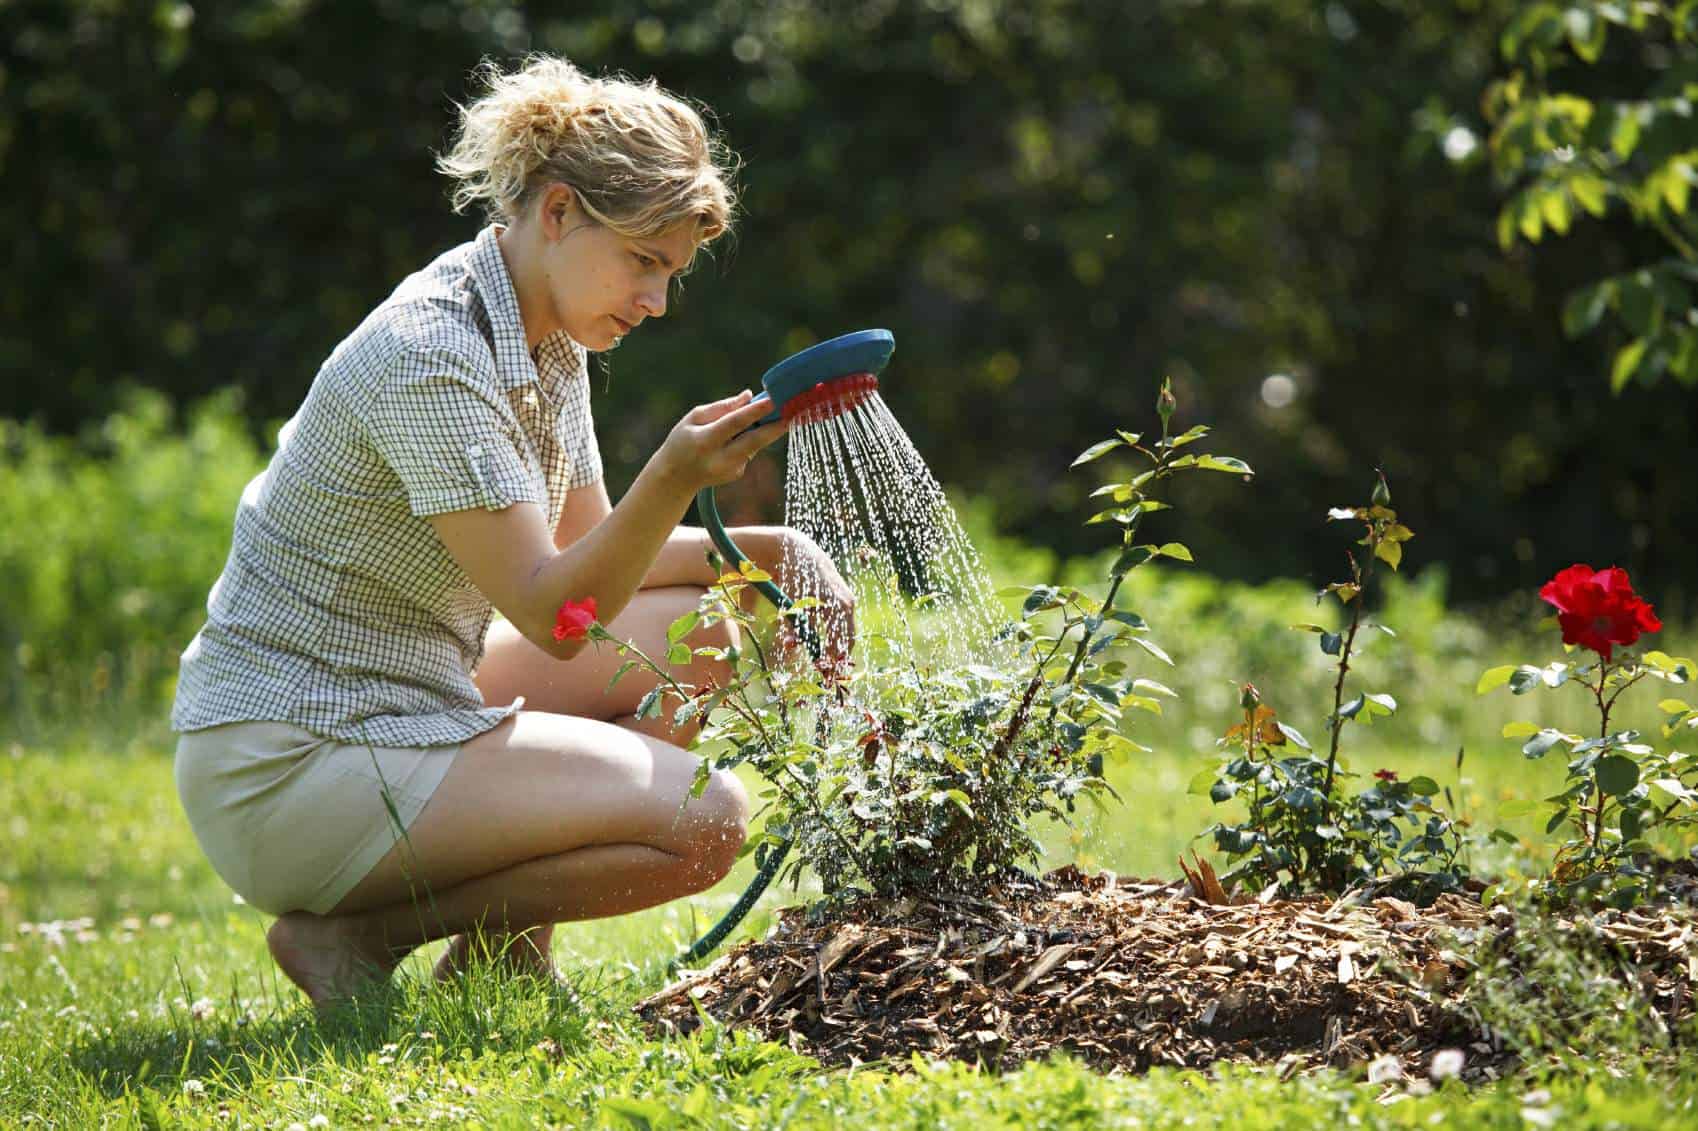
(818, 382)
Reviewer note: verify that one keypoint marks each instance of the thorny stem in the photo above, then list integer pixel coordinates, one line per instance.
(1603, 733)
(1361, 581)
(1604, 709)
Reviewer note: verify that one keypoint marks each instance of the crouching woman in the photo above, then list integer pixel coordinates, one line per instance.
(366, 752)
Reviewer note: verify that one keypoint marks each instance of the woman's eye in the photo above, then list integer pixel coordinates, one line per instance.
(645, 260)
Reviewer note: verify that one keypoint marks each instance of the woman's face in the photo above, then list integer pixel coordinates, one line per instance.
(600, 285)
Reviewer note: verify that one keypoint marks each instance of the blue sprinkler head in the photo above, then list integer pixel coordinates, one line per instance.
(830, 376)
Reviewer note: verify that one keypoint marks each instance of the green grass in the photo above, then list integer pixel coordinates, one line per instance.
(165, 1011)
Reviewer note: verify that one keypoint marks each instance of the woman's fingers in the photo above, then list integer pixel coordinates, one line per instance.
(718, 410)
(739, 418)
(748, 443)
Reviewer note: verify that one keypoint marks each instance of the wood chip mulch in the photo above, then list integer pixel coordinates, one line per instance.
(1129, 975)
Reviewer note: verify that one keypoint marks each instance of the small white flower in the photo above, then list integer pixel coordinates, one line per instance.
(202, 1009)
(319, 1120)
(1446, 1064)
(1385, 1068)
(194, 1089)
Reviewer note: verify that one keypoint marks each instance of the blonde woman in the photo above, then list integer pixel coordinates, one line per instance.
(349, 685)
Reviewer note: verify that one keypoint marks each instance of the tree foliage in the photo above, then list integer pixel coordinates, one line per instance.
(1570, 151)
(1283, 204)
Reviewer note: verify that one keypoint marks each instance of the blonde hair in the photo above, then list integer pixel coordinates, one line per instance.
(641, 160)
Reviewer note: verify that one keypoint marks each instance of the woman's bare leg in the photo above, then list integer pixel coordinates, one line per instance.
(544, 819)
(513, 666)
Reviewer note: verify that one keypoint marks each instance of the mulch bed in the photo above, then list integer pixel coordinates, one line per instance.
(1129, 975)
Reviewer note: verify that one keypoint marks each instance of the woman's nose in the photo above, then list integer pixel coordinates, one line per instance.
(652, 301)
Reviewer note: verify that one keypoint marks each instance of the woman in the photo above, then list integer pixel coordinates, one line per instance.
(363, 753)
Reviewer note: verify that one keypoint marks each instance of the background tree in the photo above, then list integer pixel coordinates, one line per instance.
(1283, 204)
(1623, 134)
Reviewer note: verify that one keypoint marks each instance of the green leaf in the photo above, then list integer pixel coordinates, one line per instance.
(1129, 559)
(1626, 364)
(1423, 787)
(1153, 649)
(1386, 703)
(1228, 464)
(1351, 709)
(1553, 205)
(1391, 553)
(682, 627)
(1617, 774)
(1042, 597)
(620, 674)
(678, 655)
(1585, 307)
(1293, 734)
(1332, 643)
(1624, 135)
(1494, 678)
(1308, 628)
(1190, 435)
(1098, 450)
(1536, 746)
(1130, 619)
(1525, 678)
(1637, 303)
(1175, 550)
(1591, 191)
(649, 706)
(1202, 782)
(1520, 730)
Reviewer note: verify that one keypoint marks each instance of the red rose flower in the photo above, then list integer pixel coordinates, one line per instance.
(1386, 775)
(1598, 609)
(573, 620)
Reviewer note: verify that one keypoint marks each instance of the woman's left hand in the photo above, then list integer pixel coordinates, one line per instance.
(806, 570)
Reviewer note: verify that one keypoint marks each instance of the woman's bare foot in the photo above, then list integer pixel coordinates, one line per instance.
(328, 957)
(525, 952)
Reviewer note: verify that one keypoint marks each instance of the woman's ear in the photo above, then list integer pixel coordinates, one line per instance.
(560, 210)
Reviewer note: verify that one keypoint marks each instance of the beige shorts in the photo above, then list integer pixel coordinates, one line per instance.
(293, 821)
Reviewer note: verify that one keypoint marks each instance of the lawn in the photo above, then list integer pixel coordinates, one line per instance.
(137, 991)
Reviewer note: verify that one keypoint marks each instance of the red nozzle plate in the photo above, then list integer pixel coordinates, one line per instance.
(830, 398)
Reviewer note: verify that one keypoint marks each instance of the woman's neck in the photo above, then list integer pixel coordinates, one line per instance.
(530, 283)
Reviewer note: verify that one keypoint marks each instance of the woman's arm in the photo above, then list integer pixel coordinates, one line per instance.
(682, 559)
(511, 557)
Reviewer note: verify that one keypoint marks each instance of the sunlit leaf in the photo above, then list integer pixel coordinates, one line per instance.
(1098, 450)
(1494, 678)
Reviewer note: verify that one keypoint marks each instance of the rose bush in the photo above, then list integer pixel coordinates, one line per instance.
(1619, 790)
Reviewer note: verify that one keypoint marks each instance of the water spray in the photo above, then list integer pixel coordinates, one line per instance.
(820, 382)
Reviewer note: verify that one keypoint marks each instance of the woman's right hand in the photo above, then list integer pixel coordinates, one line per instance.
(714, 442)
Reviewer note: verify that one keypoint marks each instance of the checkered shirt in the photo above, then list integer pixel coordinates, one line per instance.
(339, 610)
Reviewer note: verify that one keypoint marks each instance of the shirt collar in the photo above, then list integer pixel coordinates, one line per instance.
(513, 364)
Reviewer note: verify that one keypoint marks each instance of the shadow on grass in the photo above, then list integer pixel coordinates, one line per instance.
(481, 1011)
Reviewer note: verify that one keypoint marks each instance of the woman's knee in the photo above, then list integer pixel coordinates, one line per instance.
(722, 826)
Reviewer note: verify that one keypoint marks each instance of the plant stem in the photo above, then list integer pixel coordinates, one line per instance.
(1603, 735)
(1361, 582)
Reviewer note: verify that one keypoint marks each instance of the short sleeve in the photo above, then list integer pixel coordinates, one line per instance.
(578, 433)
(449, 435)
